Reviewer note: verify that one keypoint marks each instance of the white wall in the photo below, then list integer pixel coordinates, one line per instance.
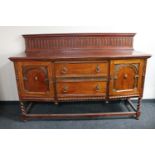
(11, 43)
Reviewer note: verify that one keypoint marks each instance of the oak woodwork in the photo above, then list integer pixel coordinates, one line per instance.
(78, 41)
(35, 79)
(80, 66)
(126, 77)
(81, 69)
(78, 88)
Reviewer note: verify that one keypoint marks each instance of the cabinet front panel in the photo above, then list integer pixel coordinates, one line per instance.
(35, 79)
(81, 69)
(126, 77)
(81, 88)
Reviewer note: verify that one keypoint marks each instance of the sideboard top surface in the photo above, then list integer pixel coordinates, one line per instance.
(79, 54)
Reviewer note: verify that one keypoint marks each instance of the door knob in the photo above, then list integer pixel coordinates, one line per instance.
(36, 78)
(125, 76)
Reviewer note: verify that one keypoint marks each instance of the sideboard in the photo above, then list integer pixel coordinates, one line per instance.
(80, 66)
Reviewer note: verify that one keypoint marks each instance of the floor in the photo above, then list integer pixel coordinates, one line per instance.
(9, 116)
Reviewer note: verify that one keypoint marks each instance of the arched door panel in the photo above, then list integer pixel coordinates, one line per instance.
(126, 77)
(35, 79)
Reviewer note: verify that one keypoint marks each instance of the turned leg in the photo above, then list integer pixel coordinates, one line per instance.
(138, 108)
(23, 111)
(29, 107)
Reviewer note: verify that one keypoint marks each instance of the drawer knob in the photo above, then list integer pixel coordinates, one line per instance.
(64, 70)
(125, 76)
(65, 89)
(97, 88)
(98, 69)
(36, 78)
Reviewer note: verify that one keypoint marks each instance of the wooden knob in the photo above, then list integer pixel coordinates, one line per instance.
(36, 78)
(125, 76)
(65, 89)
(97, 88)
(97, 68)
(64, 70)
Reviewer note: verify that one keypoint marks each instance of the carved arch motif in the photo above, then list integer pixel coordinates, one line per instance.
(129, 76)
(35, 79)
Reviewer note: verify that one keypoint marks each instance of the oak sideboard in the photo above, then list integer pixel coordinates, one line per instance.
(80, 66)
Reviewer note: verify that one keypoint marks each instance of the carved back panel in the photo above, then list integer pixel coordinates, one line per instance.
(49, 42)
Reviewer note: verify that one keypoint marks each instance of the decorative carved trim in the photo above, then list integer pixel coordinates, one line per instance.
(30, 68)
(49, 42)
(134, 66)
(78, 79)
(79, 98)
(26, 68)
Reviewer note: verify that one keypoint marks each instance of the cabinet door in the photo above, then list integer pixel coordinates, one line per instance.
(126, 77)
(34, 79)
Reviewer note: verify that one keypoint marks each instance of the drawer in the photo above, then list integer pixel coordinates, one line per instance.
(81, 69)
(81, 88)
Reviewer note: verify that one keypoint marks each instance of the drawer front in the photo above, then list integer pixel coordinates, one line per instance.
(81, 69)
(81, 88)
